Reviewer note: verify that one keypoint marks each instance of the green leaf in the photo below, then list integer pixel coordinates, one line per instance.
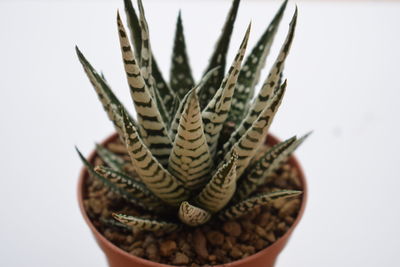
(107, 98)
(263, 167)
(190, 160)
(247, 145)
(146, 224)
(216, 112)
(156, 178)
(153, 129)
(218, 58)
(251, 70)
(130, 185)
(219, 191)
(181, 79)
(192, 215)
(246, 206)
(266, 93)
(114, 161)
(177, 116)
(160, 85)
(113, 187)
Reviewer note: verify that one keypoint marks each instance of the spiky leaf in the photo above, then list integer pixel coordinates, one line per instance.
(266, 93)
(130, 185)
(218, 58)
(114, 161)
(219, 191)
(247, 145)
(153, 129)
(246, 206)
(265, 166)
(130, 197)
(146, 224)
(136, 35)
(216, 112)
(192, 215)
(109, 101)
(190, 160)
(181, 79)
(251, 70)
(177, 116)
(157, 179)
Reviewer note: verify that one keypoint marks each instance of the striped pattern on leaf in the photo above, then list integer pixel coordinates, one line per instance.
(133, 187)
(216, 112)
(177, 116)
(246, 206)
(219, 191)
(153, 129)
(136, 35)
(118, 190)
(112, 160)
(192, 215)
(190, 160)
(266, 93)
(146, 224)
(247, 145)
(157, 179)
(218, 58)
(265, 166)
(181, 79)
(107, 98)
(251, 70)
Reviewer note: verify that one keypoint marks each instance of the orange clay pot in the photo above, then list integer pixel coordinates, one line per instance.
(117, 257)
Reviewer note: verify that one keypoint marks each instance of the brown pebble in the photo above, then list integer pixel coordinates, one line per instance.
(260, 244)
(290, 207)
(270, 236)
(167, 248)
(232, 228)
(212, 258)
(152, 252)
(200, 244)
(247, 249)
(180, 259)
(236, 253)
(139, 252)
(215, 238)
(261, 232)
(263, 219)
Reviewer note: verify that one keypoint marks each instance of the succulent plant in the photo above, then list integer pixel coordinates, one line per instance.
(194, 147)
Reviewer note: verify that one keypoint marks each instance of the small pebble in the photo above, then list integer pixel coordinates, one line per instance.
(167, 248)
(232, 228)
(200, 244)
(180, 259)
(215, 238)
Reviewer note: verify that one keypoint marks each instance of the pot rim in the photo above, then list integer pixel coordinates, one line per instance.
(84, 174)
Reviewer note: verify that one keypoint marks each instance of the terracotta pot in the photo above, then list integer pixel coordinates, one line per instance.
(117, 257)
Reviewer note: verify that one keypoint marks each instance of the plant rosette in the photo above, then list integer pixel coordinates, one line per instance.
(190, 181)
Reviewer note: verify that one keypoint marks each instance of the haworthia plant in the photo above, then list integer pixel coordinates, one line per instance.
(183, 160)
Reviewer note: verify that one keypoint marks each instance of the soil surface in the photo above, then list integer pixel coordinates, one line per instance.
(214, 243)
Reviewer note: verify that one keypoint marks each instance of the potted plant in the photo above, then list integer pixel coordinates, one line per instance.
(191, 181)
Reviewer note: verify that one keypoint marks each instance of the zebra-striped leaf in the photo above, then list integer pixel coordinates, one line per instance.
(177, 116)
(251, 70)
(113, 187)
(247, 145)
(266, 93)
(265, 166)
(130, 185)
(190, 160)
(192, 215)
(160, 85)
(157, 179)
(216, 112)
(219, 191)
(153, 129)
(246, 206)
(146, 224)
(218, 58)
(107, 98)
(112, 160)
(181, 79)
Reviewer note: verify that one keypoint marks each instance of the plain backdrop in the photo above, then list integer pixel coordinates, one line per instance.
(343, 83)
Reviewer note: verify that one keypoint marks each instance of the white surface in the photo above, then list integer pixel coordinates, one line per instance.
(343, 83)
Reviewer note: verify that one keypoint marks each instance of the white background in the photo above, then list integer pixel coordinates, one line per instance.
(343, 83)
